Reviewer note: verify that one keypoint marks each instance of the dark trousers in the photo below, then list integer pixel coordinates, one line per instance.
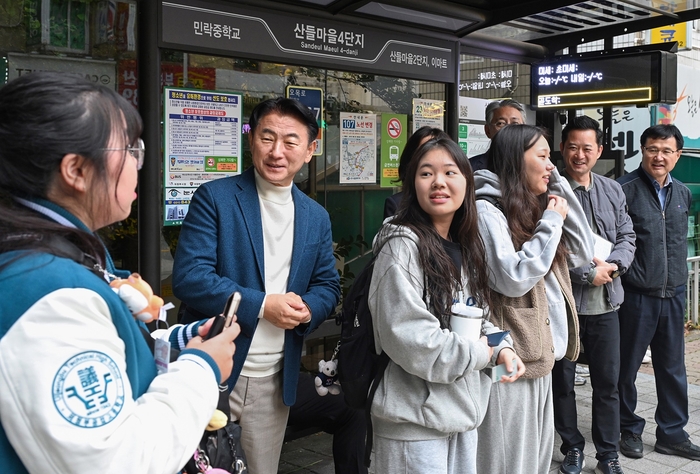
(656, 322)
(600, 337)
(347, 425)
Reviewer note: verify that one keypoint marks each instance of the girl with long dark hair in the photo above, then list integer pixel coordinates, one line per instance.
(533, 229)
(432, 395)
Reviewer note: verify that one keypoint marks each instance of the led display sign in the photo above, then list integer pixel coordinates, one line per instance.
(639, 78)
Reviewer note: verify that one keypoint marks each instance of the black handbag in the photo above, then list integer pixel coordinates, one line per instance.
(220, 449)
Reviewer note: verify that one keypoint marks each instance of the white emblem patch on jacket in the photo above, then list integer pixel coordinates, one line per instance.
(88, 390)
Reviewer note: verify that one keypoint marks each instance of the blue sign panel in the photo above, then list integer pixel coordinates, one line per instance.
(312, 97)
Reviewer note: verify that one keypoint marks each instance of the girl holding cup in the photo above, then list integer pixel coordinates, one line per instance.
(433, 394)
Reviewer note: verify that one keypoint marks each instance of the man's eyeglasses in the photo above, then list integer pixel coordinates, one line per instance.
(138, 151)
(663, 152)
(502, 123)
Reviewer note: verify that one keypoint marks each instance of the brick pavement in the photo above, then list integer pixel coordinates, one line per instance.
(313, 454)
(652, 462)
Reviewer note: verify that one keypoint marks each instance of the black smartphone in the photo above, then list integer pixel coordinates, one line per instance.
(224, 320)
(496, 338)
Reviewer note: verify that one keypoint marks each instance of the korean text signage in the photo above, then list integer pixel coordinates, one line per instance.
(358, 148)
(502, 81)
(99, 72)
(429, 113)
(312, 98)
(171, 75)
(261, 34)
(394, 132)
(639, 78)
(202, 143)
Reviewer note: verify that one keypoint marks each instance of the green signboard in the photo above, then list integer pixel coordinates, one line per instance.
(393, 142)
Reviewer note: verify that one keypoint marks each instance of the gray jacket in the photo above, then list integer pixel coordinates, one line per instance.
(609, 209)
(433, 385)
(514, 272)
(660, 263)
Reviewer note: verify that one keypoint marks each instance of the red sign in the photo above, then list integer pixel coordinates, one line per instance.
(170, 75)
(393, 128)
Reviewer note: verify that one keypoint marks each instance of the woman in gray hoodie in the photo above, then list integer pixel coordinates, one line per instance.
(533, 228)
(432, 395)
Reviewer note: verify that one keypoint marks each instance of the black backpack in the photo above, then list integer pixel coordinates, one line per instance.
(360, 368)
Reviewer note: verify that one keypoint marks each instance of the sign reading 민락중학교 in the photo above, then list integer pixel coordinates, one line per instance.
(264, 35)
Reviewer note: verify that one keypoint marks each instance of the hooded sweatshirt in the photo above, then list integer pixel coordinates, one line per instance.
(432, 386)
(514, 272)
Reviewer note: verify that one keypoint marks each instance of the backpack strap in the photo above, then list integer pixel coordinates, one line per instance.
(382, 364)
(62, 247)
(495, 202)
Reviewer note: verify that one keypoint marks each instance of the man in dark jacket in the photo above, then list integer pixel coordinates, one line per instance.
(654, 308)
(598, 294)
(499, 113)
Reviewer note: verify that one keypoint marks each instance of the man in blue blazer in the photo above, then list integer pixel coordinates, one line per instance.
(257, 234)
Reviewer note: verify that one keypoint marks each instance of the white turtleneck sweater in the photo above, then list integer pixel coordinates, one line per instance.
(277, 213)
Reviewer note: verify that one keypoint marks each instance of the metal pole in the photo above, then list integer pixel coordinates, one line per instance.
(149, 202)
(694, 301)
(452, 128)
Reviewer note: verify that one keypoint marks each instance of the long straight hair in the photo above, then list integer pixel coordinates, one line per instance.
(436, 264)
(523, 208)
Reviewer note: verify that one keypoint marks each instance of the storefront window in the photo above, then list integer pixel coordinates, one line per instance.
(356, 210)
(90, 38)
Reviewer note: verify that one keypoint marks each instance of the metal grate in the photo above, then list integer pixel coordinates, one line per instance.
(578, 18)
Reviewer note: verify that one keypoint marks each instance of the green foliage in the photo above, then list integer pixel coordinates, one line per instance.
(343, 249)
(10, 13)
(397, 93)
(128, 228)
(66, 22)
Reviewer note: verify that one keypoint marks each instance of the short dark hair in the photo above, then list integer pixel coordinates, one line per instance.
(497, 104)
(583, 122)
(663, 132)
(285, 107)
(412, 145)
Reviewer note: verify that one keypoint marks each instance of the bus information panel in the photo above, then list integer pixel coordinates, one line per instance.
(638, 78)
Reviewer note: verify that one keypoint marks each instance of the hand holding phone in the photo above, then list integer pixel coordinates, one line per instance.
(223, 320)
(496, 338)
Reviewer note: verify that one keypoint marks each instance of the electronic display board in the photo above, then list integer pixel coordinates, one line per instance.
(638, 78)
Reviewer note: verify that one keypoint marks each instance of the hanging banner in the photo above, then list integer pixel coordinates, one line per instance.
(394, 131)
(428, 112)
(202, 143)
(358, 148)
(312, 98)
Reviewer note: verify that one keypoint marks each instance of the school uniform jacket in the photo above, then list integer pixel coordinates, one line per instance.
(79, 390)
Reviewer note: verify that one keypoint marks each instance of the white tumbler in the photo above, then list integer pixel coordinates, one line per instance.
(466, 321)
